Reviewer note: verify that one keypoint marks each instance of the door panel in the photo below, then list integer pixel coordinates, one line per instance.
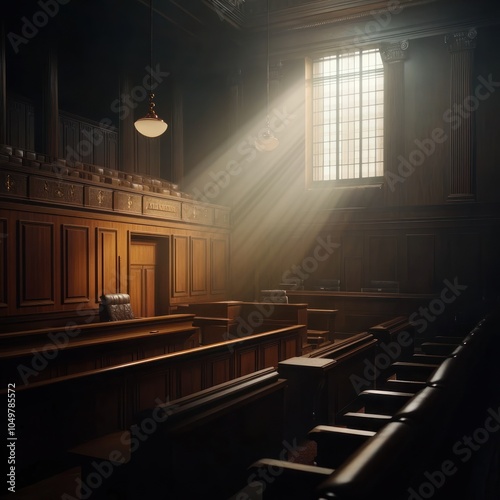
(142, 278)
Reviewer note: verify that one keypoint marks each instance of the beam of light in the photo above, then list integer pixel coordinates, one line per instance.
(267, 194)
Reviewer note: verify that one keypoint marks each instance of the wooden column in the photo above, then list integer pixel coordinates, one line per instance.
(3, 87)
(126, 132)
(177, 134)
(51, 105)
(461, 45)
(393, 56)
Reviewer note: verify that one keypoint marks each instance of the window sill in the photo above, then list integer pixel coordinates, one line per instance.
(371, 183)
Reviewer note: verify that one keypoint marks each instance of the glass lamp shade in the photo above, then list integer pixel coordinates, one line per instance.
(150, 126)
(266, 142)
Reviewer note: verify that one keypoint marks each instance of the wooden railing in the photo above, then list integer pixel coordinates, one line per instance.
(35, 355)
(57, 414)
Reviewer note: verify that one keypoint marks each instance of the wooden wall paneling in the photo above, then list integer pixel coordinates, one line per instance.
(147, 155)
(150, 387)
(37, 273)
(135, 283)
(353, 272)
(246, 360)
(162, 276)
(420, 263)
(69, 134)
(72, 363)
(219, 370)
(270, 354)
(322, 261)
(107, 268)
(219, 269)
(382, 258)
(290, 348)
(3, 263)
(142, 274)
(149, 291)
(199, 264)
(111, 408)
(76, 264)
(111, 160)
(113, 357)
(188, 379)
(351, 279)
(97, 139)
(21, 125)
(491, 268)
(86, 153)
(464, 259)
(180, 266)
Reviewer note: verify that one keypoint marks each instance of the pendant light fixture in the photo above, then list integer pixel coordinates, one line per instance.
(267, 141)
(151, 125)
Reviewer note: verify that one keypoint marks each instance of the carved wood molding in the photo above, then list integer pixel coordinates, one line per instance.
(394, 52)
(461, 40)
(461, 45)
(17, 181)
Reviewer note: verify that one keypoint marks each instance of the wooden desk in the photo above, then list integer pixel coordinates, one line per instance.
(358, 311)
(219, 321)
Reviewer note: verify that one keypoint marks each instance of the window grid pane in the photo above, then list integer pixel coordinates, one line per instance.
(348, 98)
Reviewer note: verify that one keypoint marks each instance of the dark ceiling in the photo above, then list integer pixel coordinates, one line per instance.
(98, 41)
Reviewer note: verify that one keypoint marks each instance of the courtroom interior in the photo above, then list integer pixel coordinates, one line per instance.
(250, 249)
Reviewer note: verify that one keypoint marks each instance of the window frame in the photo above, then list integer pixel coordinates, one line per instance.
(374, 181)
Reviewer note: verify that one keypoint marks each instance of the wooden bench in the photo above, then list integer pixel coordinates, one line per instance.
(34, 355)
(415, 436)
(58, 414)
(335, 444)
(212, 436)
(435, 419)
(374, 408)
(320, 385)
(282, 480)
(396, 342)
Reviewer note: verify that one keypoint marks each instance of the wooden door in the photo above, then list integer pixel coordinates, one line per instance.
(142, 278)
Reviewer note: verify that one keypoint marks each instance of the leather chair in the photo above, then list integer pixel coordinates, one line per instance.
(115, 307)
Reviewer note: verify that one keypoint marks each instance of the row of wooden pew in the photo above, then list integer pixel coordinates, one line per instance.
(201, 445)
(151, 424)
(101, 415)
(429, 429)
